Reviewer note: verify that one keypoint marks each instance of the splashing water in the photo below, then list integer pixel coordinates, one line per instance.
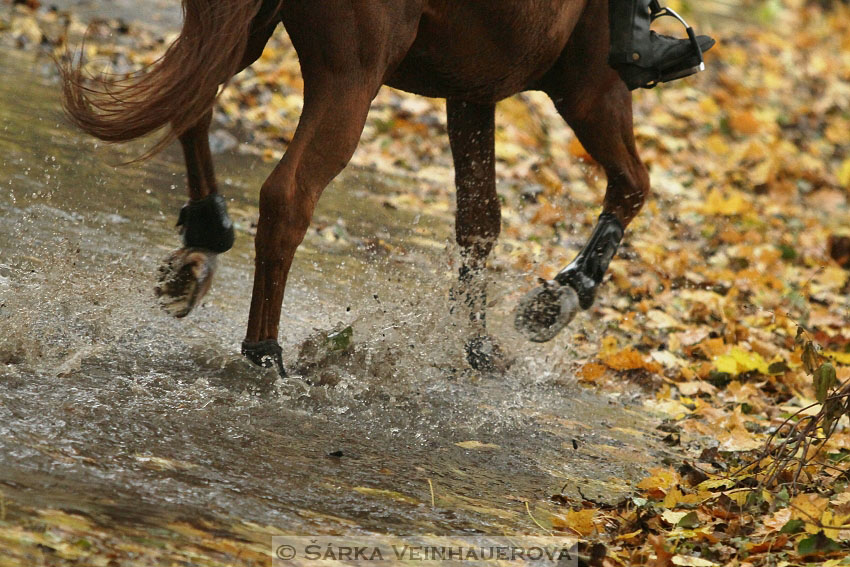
(109, 406)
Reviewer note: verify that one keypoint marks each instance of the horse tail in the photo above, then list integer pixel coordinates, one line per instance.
(178, 89)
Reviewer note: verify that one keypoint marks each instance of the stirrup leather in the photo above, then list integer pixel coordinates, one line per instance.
(657, 11)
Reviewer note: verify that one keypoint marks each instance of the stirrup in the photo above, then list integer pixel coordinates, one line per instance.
(658, 11)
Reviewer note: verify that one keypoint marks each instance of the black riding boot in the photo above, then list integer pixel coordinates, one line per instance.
(644, 58)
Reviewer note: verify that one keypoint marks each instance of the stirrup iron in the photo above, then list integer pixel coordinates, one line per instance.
(658, 11)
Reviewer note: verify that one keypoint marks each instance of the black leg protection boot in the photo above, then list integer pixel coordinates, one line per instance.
(587, 270)
(205, 224)
(644, 58)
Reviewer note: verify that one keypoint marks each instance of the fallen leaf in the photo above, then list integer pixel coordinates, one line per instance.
(476, 445)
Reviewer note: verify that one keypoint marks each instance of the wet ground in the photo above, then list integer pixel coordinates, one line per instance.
(155, 433)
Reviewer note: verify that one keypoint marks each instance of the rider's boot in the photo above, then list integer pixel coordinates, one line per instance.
(644, 58)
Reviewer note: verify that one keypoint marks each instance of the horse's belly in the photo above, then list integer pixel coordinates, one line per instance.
(485, 51)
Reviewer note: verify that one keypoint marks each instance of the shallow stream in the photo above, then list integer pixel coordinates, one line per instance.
(113, 410)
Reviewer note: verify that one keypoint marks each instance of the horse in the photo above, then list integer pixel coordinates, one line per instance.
(470, 53)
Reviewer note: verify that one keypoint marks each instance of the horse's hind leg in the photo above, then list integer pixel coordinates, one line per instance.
(186, 274)
(598, 108)
(207, 231)
(478, 219)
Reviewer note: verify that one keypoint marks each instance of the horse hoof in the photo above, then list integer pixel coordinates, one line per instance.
(184, 278)
(267, 354)
(545, 310)
(485, 355)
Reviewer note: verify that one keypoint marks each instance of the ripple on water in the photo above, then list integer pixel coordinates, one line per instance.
(108, 404)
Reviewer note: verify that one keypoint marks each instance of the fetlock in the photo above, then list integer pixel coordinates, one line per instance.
(205, 224)
(587, 270)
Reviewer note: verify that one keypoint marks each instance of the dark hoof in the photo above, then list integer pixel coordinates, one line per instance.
(267, 354)
(184, 278)
(485, 355)
(545, 310)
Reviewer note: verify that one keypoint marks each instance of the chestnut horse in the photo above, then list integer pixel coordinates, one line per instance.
(472, 53)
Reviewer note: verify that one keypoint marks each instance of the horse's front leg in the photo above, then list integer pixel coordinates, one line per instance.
(335, 110)
(604, 127)
(345, 58)
(477, 223)
(206, 229)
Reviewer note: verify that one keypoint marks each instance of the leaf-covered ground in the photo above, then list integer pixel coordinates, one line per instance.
(728, 303)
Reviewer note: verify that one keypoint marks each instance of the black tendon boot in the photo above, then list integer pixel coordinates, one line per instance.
(204, 224)
(644, 58)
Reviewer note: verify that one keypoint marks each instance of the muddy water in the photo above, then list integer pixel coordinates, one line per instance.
(112, 409)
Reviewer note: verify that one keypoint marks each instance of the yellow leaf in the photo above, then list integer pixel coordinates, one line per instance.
(629, 536)
(809, 508)
(716, 483)
(844, 174)
(675, 498)
(386, 494)
(834, 524)
(661, 480)
(738, 439)
(738, 361)
(580, 521)
(717, 204)
(609, 346)
(717, 144)
(688, 561)
(739, 496)
(670, 408)
(839, 357)
(726, 364)
(658, 319)
(708, 106)
(476, 445)
(672, 517)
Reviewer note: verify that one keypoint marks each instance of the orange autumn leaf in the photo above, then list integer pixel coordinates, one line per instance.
(591, 372)
(744, 122)
(663, 558)
(576, 149)
(769, 545)
(630, 359)
(548, 214)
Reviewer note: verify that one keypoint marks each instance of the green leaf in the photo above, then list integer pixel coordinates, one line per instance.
(793, 527)
(691, 520)
(824, 380)
(340, 340)
(839, 457)
(782, 497)
(776, 368)
(817, 544)
(833, 409)
(719, 379)
(754, 498)
(788, 252)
